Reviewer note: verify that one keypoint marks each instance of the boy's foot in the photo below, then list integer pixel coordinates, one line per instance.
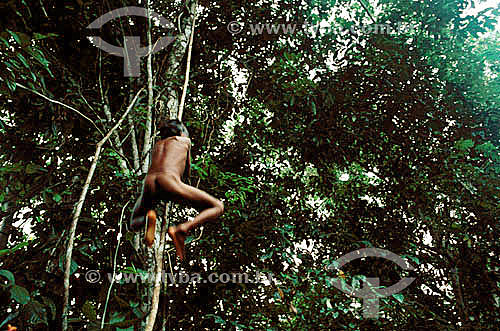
(149, 236)
(178, 236)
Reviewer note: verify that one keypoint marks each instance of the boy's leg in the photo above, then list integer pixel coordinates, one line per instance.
(143, 211)
(138, 214)
(149, 236)
(212, 208)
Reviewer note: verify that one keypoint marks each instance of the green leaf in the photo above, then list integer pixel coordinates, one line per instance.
(23, 60)
(72, 268)
(89, 311)
(49, 303)
(9, 318)
(38, 313)
(57, 197)
(32, 168)
(11, 85)
(485, 148)
(9, 275)
(413, 258)
(313, 107)
(217, 319)
(38, 36)
(399, 297)
(464, 144)
(15, 36)
(266, 256)
(15, 248)
(20, 294)
(116, 318)
(4, 41)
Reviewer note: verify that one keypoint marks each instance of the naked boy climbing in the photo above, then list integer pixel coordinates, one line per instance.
(170, 166)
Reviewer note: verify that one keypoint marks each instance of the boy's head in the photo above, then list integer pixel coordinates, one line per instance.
(172, 128)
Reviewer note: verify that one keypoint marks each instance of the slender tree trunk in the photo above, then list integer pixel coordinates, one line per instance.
(182, 44)
(149, 118)
(78, 210)
(158, 272)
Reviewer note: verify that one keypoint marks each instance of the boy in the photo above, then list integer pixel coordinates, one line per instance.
(170, 161)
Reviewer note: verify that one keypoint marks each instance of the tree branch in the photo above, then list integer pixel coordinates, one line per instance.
(149, 118)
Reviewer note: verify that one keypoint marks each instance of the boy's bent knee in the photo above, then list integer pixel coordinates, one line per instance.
(220, 207)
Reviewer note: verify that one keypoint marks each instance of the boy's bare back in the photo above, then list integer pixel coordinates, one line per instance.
(170, 156)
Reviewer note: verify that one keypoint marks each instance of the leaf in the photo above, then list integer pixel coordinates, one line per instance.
(9, 318)
(72, 268)
(485, 148)
(23, 60)
(414, 258)
(89, 311)
(464, 144)
(15, 248)
(266, 256)
(4, 41)
(15, 36)
(38, 313)
(32, 168)
(399, 297)
(9, 275)
(38, 36)
(313, 107)
(11, 85)
(57, 197)
(116, 318)
(20, 294)
(49, 303)
(188, 240)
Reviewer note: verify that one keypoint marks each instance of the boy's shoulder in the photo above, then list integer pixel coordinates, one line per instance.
(178, 138)
(183, 139)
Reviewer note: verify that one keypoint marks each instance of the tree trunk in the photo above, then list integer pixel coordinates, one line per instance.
(174, 65)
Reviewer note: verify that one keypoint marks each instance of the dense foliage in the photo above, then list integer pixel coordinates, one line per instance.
(319, 142)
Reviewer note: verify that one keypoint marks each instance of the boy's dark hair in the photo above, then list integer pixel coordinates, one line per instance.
(172, 128)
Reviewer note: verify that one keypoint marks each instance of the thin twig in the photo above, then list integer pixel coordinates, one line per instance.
(367, 11)
(114, 265)
(188, 67)
(61, 104)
